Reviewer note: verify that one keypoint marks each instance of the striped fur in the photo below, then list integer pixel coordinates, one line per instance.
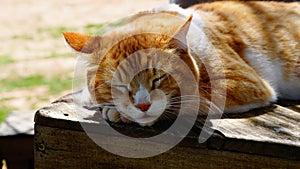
(257, 44)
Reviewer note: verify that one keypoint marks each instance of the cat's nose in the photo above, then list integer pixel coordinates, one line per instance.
(143, 106)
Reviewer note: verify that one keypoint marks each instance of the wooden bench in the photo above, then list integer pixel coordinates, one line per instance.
(263, 138)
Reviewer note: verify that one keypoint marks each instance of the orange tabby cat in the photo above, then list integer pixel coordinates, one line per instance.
(255, 45)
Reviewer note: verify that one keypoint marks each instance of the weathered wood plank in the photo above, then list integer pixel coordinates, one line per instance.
(56, 148)
(275, 124)
(267, 137)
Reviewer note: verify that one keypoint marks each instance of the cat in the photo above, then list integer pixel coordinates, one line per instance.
(255, 45)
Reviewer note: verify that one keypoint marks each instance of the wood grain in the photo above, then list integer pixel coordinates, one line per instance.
(262, 138)
(56, 148)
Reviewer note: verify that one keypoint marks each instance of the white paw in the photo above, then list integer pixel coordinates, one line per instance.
(111, 114)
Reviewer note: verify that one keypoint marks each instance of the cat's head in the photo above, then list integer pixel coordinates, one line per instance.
(142, 74)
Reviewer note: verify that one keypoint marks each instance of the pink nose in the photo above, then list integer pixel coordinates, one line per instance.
(143, 106)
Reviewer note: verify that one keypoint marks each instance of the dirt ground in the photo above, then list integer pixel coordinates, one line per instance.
(26, 46)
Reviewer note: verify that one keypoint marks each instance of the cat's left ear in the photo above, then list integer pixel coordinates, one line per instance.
(82, 43)
(179, 39)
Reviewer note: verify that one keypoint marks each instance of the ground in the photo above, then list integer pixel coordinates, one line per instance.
(36, 66)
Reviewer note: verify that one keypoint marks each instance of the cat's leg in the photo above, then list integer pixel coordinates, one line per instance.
(113, 115)
(245, 88)
(243, 94)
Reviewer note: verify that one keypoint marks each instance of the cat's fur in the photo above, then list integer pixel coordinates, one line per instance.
(258, 44)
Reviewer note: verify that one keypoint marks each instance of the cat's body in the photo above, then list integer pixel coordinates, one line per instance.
(258, 44)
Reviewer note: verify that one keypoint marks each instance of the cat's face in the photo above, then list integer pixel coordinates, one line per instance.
(140, 74)
(142, 85)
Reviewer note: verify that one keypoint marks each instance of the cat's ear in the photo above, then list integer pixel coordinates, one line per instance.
(82, 43)
(179, 40)
(179, 43)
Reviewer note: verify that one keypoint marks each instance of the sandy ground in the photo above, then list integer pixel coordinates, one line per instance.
(21, 18)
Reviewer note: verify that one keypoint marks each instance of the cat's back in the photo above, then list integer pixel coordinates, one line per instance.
(265, 24)
(270, 32)
(262, 10)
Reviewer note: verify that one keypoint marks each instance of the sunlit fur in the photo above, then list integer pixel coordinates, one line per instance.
(258, 44)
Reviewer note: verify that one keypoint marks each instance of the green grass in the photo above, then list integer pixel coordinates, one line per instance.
(21, 82)
(6, 59)
(56, 84)
(4, 111)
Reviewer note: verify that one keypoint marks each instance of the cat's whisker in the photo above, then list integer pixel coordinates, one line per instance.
(184, 96)
(168, 115)
(176, 110)
(205, 104)
(185, 101)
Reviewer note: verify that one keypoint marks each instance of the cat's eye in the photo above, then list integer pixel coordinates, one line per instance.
(156, 82)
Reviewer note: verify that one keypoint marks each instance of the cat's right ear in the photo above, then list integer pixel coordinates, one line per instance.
(82, 43)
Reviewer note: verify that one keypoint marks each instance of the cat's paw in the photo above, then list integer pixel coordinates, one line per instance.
(112, 114)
